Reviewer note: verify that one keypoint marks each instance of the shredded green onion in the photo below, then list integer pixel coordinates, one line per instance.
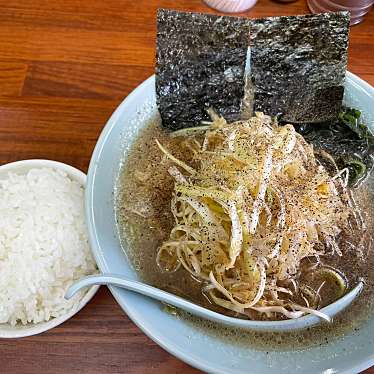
(254, 207)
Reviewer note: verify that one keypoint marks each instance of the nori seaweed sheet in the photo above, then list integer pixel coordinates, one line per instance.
(298, 65)
(200, 63)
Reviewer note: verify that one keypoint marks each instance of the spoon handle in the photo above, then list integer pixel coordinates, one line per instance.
(166, 297)
(144, 289)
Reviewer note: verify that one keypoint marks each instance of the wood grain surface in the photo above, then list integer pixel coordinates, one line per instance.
(64, 67)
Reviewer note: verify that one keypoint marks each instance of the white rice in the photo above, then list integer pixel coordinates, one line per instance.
(43, 245)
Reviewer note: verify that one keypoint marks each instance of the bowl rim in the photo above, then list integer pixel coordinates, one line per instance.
(21, 331)
(93, 235)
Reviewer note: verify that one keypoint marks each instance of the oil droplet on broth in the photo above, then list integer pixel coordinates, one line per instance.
(144, 189)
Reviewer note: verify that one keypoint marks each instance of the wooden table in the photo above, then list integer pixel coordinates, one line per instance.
(64, 67)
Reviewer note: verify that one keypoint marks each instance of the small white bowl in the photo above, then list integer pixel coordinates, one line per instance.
(19, 331)
(231, 6)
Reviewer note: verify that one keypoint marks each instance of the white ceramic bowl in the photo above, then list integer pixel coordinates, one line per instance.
(352, 353)
(19, 331)
(231, 6)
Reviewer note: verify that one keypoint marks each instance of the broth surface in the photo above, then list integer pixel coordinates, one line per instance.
(143, 194)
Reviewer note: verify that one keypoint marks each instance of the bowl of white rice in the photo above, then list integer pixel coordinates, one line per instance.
(44, 246)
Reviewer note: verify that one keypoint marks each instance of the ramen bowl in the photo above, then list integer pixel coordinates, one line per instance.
(197, 346)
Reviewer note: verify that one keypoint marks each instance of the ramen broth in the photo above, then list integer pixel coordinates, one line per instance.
(143, 195)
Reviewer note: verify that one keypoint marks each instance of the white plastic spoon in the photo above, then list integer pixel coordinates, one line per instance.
(168, 298)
